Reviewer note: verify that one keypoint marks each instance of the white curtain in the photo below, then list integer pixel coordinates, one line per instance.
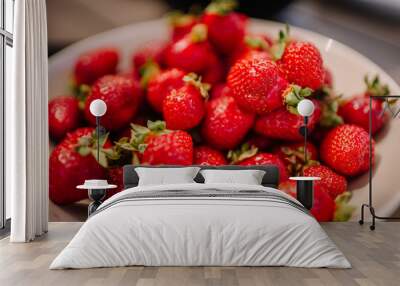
(26, 124)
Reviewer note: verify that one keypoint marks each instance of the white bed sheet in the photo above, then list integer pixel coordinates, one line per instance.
(200, 231)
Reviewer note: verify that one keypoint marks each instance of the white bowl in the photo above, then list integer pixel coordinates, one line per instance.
(347, 66)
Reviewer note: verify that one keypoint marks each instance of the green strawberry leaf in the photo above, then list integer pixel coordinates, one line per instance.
(199, 33)
(277, 50)
(148, 71)
(221, 7)
(244, 152)
(344, 211)
(374, 86)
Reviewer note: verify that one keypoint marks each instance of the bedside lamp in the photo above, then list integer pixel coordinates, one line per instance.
(97, 188)
(305, 185)
(305, 108)
(98, 108)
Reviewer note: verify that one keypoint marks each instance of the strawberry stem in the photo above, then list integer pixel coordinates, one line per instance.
(256, 42)
(244, 152)
(179, 19)
(343, 210)
(148, 71)
(279, 47)
(221, 7)
(293, 95)
(198, 33)
(195, 80)
(375, 88)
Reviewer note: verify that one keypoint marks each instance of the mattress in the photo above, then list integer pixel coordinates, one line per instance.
(201, 225)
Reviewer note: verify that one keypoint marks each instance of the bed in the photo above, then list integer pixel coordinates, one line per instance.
(201, 224)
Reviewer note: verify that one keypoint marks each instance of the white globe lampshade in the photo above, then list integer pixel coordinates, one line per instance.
(98, 107)
(305, 107)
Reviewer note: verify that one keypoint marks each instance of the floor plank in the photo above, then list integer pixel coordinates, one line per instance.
(375, 257)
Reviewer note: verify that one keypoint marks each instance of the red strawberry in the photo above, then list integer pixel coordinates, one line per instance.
(356, 110)
(284, 125)
(293, 156)
(332, 183)
(63, 116)
(184, 108)
(226, 28)
(345, 149)
(115, 177)
(204, 155)
(215, 71)
(260, 142)
(161, 85)
(257, 85)
(225, 124)
(252, 45)
(324, 206)
(174, 148)
(153, 51)
(95, 64)
(122, 96)
(289, 187)
(267, 159)
(220, 89)
(155, 145)
(302, 64)
(192, 53)
(181, 25)
(248, 155)
(67, 169)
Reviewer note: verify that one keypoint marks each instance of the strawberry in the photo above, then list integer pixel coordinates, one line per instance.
(345, 149)
(161, 85)
(214, 72)
(248, 155)
(218, 17)
(64, 116)
(260, 142)
(152, 51)
(174, 148)
(204, 155)
(356, 110)
(293, 156)
(288, 187)
(284, 125)
(302, 64)
(192, 53)
(184, 108)
(324, 206)
(115, 177)
(331, 182)
(95, 64)
(225, 125)
(252, 45)
(68, 168)
(159, 146)
(218, 90)
(122, 96)
(257, 84)
(181, 24)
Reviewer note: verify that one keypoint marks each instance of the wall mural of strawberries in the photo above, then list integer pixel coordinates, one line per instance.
(211, 97)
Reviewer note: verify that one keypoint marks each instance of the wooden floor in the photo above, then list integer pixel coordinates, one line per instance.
(375, 257)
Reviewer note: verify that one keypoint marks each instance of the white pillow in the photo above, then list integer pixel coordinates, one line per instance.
(248, 177)
(165, 176)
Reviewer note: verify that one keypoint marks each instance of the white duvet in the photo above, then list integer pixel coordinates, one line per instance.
(200, 231)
